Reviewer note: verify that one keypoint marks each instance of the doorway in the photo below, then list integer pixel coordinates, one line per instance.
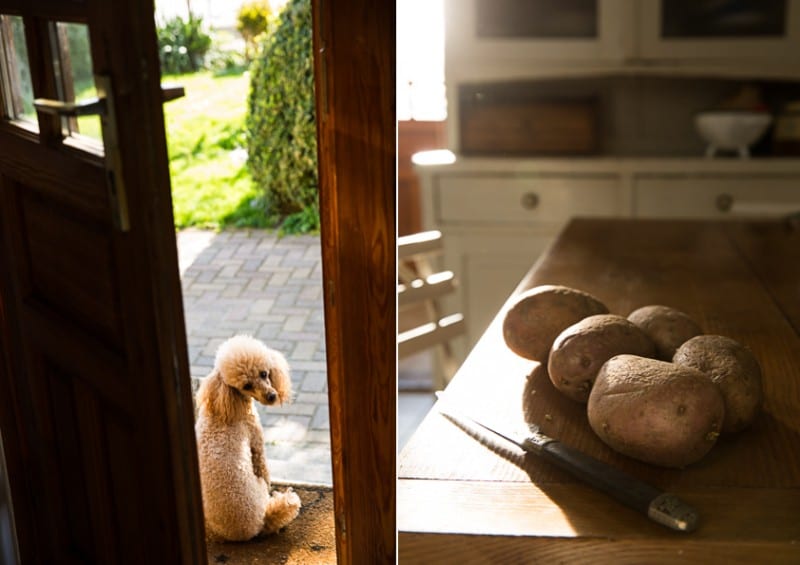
(148, 357)
(241, 273)
(239, 276)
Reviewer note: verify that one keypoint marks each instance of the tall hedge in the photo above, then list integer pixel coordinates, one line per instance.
(282, 142)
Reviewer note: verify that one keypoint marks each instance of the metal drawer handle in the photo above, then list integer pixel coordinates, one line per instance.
(529, 200)
(724, 202)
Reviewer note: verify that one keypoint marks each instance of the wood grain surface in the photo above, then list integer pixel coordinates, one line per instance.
(458, 499)
(354, 68)
(94, 384)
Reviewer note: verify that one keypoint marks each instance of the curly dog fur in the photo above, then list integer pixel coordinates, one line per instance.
(237, 501)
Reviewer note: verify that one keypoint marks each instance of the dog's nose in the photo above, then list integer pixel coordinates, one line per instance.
(271, 397)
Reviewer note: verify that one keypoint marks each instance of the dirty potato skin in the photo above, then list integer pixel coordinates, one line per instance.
(581, 349)
(535, 319)
(666, 326)
(734, 369)
(657, 412)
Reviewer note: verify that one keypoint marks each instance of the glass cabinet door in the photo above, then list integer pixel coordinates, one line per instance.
(536, 19)
(499, 34)
(720, 29)
(731, 18)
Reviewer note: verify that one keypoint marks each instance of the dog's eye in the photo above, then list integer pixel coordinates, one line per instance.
(263, 374)
(248, 386)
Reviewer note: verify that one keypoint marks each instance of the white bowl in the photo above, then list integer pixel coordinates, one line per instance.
(731, 130)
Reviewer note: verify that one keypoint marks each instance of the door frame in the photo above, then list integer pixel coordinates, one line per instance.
(354, 56)
(354, 61)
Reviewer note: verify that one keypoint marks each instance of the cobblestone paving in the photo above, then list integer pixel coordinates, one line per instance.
(252, 282)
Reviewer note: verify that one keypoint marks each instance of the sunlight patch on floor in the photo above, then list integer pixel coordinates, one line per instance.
(191, 243)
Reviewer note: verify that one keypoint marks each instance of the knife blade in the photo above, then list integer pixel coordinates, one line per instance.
(661, 507)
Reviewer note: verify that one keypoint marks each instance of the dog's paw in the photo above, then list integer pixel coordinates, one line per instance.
(288, 498)
(292, 499)
(282, 508)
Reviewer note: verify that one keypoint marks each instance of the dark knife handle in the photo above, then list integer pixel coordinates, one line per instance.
(664, 508)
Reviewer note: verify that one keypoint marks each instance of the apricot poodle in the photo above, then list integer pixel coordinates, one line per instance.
(237, 498)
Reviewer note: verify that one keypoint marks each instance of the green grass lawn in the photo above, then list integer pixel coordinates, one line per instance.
(211, 186)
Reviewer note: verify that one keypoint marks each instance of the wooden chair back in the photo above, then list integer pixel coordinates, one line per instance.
(421, 287)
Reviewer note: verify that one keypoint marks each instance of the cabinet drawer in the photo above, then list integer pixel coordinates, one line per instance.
(505, 200)
(716, 197)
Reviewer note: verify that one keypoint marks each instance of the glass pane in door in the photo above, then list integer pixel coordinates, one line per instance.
(15, 72)
(536, 19)
(723, 18)
(73, 64)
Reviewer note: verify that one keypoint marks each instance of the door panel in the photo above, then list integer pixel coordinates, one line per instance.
(70, 424)
(59, 241)
(67, 180)
(94, 384)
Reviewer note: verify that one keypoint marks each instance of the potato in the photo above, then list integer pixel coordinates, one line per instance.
(734, 369)
(580, 350)
(667, 327)
(654, 411)
(538, 315)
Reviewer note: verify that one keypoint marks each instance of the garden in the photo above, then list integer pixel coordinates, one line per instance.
(242, 142)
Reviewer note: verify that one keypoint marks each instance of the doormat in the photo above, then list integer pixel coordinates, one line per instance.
(309, 539)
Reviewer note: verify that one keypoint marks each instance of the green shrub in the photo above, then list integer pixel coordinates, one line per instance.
(281, 130)
(183, 44)
(304, 221)
(251, 21)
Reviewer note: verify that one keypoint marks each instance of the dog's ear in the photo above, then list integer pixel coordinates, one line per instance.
(221, 400)
(280, 378)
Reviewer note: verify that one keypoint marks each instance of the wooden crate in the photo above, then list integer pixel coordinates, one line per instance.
(530, 127)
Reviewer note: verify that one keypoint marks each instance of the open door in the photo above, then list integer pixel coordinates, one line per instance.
(95, 403)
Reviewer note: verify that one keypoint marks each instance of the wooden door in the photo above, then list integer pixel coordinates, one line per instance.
(95, 403)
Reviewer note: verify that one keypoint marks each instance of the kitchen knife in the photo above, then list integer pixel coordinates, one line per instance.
(661, 507)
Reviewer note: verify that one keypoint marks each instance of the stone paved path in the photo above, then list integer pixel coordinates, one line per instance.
(252, 282)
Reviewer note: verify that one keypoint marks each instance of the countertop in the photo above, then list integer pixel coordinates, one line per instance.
(460, 502)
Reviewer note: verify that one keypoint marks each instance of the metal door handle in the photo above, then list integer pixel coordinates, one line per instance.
(103, 106)
(95, 106)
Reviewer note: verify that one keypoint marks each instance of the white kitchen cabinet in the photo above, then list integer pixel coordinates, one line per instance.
(633, 58)
(715, 197)
(692, 30)
(525, 200)
(514, 39)
(498, 215)
(525, 31)
(495, 224)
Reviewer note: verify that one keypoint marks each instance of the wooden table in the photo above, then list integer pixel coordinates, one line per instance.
(460, 502)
